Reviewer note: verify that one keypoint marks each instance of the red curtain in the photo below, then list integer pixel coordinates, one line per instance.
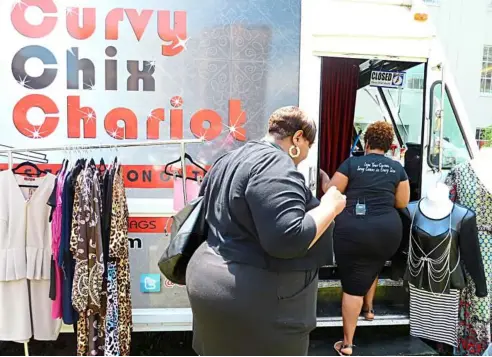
(339, 84)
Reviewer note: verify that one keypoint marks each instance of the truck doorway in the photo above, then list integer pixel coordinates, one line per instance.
(350, 101)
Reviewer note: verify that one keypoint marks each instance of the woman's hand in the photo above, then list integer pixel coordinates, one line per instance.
(334, 200)
(325, 180)
(332, 204)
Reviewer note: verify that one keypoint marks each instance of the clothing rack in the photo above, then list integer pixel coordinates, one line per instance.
(182, 144)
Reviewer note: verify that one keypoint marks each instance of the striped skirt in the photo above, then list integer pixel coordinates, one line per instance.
(434, 316)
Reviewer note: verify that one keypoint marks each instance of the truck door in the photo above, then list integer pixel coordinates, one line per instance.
(448, 139)
(347, 29)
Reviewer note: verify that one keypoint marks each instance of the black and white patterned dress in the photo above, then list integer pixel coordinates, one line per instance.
(474, 313)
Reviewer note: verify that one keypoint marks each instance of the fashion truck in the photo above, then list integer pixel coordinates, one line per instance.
(106, 72)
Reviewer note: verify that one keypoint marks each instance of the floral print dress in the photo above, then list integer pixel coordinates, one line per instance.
(475, 315)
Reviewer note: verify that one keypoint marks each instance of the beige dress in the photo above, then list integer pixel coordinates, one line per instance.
(25, 254)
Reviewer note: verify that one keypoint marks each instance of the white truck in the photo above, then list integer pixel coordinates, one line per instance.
(85, 72)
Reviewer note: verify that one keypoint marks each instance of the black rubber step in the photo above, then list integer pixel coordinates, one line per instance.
(371, 341)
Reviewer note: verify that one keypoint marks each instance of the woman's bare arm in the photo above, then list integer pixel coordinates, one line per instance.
(402, 195)
(325, 180)
(339, 180)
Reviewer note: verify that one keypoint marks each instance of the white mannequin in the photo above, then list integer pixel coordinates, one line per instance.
(437, 204)
(482, 165)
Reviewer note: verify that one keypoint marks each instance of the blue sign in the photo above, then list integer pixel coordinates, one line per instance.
(150, 283)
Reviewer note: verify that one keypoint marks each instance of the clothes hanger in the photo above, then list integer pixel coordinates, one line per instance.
(38, 171)
(187, 156)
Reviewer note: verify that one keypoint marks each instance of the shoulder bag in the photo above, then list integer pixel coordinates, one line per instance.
(189, 230)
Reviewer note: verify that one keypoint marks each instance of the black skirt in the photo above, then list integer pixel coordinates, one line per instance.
(363, 244)
(239, 309)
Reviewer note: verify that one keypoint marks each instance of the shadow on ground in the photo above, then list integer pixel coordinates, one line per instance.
(143, 344)
(370, 341)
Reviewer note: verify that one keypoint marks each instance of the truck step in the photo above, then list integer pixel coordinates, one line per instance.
(335, 283)
(371, 341)
(387, 264)
(329, 314)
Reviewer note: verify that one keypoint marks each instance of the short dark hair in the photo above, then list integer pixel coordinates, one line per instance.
(286, 121)
(379, 136)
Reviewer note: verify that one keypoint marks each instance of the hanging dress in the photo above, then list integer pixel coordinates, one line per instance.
(86, 243)
(56, 307)
(474, 313)
(119, 318)
(25, 255)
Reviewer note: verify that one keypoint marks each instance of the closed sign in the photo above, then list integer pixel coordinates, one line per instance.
(387, 79)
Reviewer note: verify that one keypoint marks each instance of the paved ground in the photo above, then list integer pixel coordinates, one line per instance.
(143, 344)
(392, 341)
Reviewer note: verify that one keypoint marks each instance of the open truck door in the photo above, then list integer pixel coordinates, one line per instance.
(389, 30)
(380, 36)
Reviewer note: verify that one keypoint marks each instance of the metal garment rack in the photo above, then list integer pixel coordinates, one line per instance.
(182, 145)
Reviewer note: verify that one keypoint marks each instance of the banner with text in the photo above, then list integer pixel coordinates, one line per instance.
(102, 72)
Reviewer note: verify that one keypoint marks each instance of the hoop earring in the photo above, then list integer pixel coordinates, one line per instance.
(297, 151)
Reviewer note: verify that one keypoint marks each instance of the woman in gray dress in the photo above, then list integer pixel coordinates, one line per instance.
(253, 284)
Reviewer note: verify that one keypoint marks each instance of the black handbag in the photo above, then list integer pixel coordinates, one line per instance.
(188, 231)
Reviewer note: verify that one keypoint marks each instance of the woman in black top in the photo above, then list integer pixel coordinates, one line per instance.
(253, 284)
(369, 230)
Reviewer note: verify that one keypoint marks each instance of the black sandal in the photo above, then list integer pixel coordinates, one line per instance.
(366, 312)
(342, 347)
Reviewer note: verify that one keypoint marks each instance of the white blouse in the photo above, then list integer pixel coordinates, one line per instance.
(25, 231)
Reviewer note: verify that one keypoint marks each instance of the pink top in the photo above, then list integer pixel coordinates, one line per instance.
(192, 191)
(56, 306)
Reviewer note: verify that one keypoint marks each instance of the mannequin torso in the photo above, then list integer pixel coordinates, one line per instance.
(437, 204)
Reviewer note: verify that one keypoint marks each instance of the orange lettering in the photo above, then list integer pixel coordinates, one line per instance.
(35, 101)
(206, 115)
(237, 118)
(138, 21)
(176, 35)
(18, 18)
(88, 23)
(77, 115)
(113, 19)
(153, 123)
(130, 127)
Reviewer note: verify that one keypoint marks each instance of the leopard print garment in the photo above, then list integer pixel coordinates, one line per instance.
(112, 344)
(118, 239)
(125, 324)
(119, 254)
